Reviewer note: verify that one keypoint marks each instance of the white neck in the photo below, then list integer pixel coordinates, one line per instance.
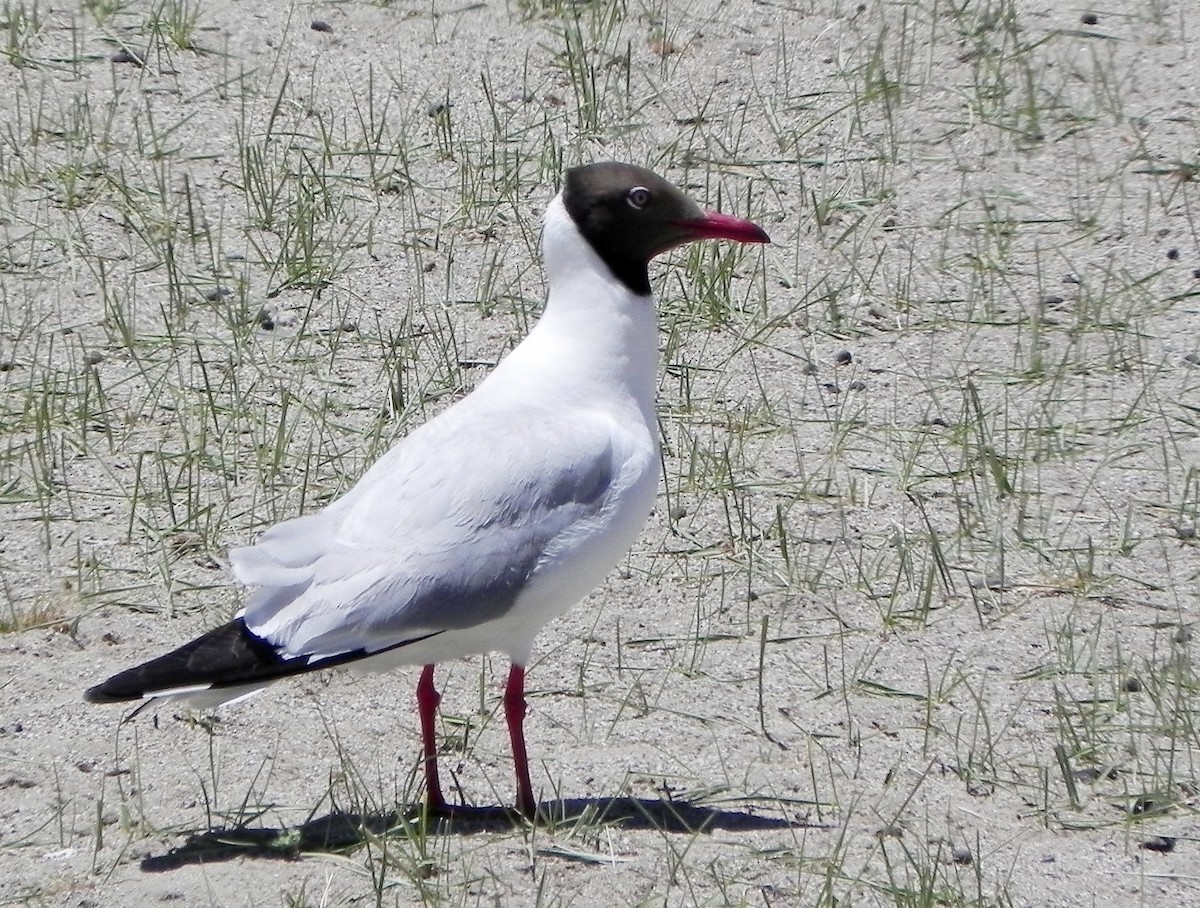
(594, 330)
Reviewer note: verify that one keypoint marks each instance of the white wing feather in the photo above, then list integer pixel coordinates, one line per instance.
(443, 532)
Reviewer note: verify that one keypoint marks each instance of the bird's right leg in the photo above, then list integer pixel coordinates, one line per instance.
(427, 703)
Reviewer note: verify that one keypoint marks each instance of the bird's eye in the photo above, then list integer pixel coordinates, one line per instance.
(639, 197)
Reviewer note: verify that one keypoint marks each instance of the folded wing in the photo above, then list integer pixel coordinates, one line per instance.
(443, 532)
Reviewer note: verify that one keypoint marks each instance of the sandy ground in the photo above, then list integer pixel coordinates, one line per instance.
(912, 623)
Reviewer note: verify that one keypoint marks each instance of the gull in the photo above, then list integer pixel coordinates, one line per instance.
(495, 516)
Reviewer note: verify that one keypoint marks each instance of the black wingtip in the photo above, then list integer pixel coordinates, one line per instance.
(101, 694)
(227, 655)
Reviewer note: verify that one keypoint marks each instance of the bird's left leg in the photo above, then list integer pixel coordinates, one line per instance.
(514, 713)
(427, 703)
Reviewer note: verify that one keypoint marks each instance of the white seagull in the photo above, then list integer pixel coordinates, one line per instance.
(492, 518)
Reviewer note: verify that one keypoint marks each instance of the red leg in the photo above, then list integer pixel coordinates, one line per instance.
(514, 712)
(427, 703)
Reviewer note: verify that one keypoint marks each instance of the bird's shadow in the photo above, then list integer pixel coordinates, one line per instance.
(341, 831)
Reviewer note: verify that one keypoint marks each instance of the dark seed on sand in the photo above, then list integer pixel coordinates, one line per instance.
(124, 56)
(319, 25)
(1089, 19)
(844, 358)
(94, 358)
(961, 854)
(1164, 844)
(264, 320)
(1173, 254)
(857, 385)
(216, 294)
(1132, 685)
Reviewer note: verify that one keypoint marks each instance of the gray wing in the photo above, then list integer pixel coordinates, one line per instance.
(444, 532)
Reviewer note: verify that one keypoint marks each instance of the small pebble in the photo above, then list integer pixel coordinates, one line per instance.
(1196, 274)
(1089, 19)
(7, 365)
(124, 56)
(216, 294)
(185, 541)
(1183, 635)
(1146, 804)
(94, 358)
(1132, 685)
(678, 512)
(319, 25)
(1164, 844)
(857, 385)
(961, 854)
(1173, 254)
(844, 358)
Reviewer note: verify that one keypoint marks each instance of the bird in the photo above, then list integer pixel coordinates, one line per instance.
(495, 516)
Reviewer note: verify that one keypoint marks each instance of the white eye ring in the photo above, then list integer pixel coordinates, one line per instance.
(639, 197)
